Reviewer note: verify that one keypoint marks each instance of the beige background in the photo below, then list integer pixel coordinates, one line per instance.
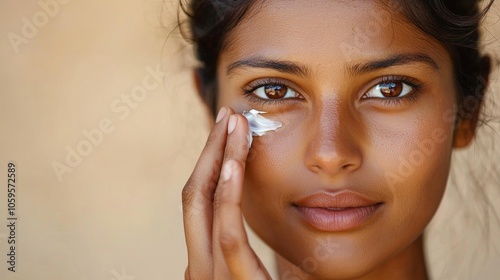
(115, 215)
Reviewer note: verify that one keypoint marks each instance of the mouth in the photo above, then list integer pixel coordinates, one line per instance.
(334, 212)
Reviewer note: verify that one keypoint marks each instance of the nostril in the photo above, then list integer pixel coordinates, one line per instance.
(347, 166)
(331, 167)
(316, 168)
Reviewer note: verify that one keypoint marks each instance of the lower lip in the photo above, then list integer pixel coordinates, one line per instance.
(338, 220)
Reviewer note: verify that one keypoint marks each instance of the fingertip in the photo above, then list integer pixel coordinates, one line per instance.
(223, 116)
(222, 113)
(233, 121)
(237, 145)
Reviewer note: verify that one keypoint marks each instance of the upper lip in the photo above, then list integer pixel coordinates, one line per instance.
(342, 199)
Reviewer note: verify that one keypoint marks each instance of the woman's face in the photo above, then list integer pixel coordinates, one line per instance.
(365, 102)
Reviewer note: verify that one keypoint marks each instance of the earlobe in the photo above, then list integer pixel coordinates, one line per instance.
(464, 134)
(467, 124)
(197, 82)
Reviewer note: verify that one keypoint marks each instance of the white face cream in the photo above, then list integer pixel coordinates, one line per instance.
(259, 125)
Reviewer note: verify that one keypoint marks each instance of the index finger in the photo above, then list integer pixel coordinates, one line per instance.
(236, 150)
(197, 198)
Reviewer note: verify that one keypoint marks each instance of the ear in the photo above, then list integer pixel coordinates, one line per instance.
(198, 83)
(465, 131)
(204, 93)
(467, 122)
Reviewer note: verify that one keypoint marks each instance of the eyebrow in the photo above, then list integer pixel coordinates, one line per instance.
(400, 59)
(297, 69)
(283, 66)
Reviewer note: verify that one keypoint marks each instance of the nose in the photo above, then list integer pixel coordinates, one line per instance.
(333, 147)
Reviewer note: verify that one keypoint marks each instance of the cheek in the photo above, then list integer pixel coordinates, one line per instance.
(274, 157)
(411, 158)
(273, 162)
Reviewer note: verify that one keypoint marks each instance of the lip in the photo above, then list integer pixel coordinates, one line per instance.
(340, 211)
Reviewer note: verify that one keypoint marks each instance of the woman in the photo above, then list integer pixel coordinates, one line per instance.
(373, 96)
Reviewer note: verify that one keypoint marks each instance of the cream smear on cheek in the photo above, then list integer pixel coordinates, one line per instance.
(259, 125)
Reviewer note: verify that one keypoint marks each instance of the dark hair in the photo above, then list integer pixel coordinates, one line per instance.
(453, 23)
(209, 24)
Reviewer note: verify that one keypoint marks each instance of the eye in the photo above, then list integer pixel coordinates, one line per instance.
(274, 91)
(271, 92)
(389, 89)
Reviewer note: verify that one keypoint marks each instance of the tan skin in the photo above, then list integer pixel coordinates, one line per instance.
(339, 132)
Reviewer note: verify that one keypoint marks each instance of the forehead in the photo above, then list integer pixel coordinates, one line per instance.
(327, 33)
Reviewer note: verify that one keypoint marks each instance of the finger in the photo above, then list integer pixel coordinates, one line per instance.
(239, 257)
(197, 199)
(237, 140)
(236, 150)
(186, 274)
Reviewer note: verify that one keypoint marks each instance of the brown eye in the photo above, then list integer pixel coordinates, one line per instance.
(275, 91)
(392, 89)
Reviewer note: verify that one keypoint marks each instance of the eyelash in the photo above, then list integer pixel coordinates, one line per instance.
(394, 101)
(249, 89)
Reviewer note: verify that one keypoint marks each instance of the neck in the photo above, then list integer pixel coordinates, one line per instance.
(408, 264)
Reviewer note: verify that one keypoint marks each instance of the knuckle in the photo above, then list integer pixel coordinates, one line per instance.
(186, 274)
(195, 186)
(195, 199)
(188, 194)
(190, 275)
(228, 241)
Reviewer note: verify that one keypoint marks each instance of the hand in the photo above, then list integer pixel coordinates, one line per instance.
(216, 239)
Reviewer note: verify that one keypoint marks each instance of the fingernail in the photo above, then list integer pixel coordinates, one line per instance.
(232, 123)
(221, 114)
(227, 172)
